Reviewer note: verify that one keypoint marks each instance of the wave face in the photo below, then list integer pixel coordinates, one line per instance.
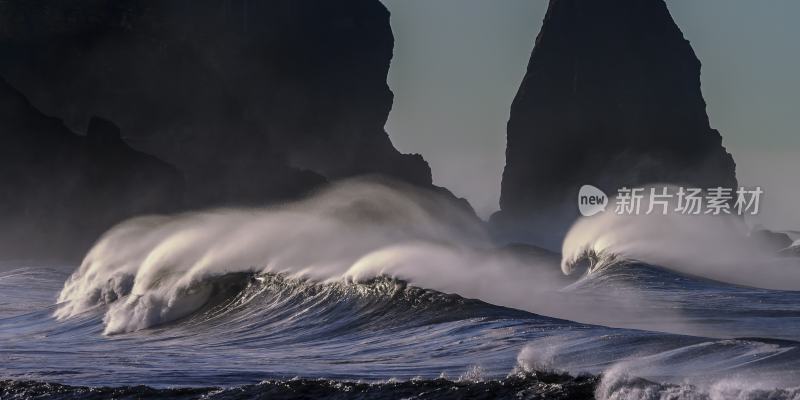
(268, 325)
(716, 247)
(153, 270)
(381, 292)
(257, 326)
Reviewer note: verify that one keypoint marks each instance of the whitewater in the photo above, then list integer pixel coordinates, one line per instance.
(377, 288)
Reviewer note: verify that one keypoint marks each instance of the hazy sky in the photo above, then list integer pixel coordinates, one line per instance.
(458, 64)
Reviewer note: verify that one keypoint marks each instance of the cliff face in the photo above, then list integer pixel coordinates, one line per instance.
(252, 100)
(611, 98)
(59, 191)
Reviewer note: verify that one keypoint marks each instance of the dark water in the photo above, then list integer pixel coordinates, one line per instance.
(528, 386)
(267, 336)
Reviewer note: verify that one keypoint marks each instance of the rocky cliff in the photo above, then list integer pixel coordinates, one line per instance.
(252, 100)
(611, 98)
(59, 190)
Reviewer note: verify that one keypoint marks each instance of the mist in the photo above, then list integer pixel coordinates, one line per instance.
(152, 270)
(718, 247)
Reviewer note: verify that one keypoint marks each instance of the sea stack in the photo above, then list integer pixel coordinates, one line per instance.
(611, 98)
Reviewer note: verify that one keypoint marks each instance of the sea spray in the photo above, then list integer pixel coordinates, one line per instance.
(712, 246)
(152, 270)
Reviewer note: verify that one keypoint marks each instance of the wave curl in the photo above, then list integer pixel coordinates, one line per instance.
(152, 270)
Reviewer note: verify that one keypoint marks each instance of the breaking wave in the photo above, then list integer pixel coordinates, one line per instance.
(152, 270)
(378, 289)
(717, 247)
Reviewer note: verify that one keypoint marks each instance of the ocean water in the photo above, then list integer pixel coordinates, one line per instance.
(368, 292)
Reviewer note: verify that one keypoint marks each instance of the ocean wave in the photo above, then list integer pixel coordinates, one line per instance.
(618, 383)
(285, 310)
(152, 270)
(367, 281)
(717, 247)
(275, 326)
(705, 370)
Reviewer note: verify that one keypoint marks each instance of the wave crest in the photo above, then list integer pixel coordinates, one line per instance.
(717, 247)
(152, 270)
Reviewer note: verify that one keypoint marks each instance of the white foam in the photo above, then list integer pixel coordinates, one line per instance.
(712, 246)
(152, 270)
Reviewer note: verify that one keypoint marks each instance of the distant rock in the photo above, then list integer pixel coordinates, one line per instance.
(611, 98)
(253, 100)
(59, 191)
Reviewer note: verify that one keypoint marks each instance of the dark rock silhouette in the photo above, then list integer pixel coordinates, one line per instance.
(255, 102)
(252, 100)
(611, 98)
(59, 190)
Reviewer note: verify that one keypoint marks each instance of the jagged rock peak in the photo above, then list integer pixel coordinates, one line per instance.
(611, 98)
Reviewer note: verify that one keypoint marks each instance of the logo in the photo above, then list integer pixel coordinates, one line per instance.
(591, 200)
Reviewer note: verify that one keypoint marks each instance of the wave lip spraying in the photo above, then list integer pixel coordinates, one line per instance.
(716, 247)
(152, 270)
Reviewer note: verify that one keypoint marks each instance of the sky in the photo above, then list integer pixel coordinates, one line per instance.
(458, 64)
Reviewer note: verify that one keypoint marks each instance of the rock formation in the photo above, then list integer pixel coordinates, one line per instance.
(59, 190)
(611, 98)
(252, 100)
